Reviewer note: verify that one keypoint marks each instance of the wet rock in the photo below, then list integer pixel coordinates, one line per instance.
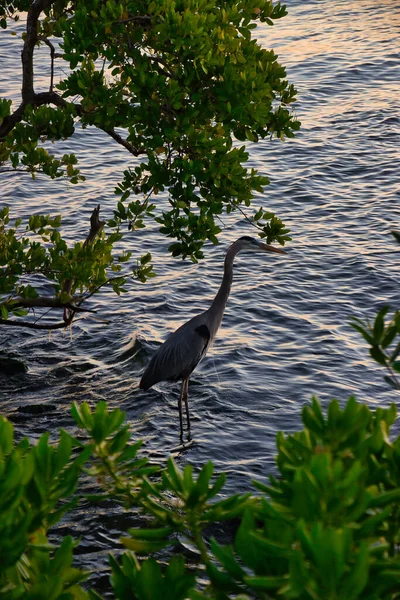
(36, 409)
(10, 365)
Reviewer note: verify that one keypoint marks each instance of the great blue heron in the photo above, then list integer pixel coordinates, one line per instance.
(182, 351)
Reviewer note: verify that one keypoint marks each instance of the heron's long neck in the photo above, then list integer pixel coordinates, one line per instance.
(218, 305)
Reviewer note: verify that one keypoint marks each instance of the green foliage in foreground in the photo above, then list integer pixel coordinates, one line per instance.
(328, 527)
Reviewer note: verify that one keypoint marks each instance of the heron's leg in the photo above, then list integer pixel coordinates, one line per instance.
(185, 387)
(180, 406)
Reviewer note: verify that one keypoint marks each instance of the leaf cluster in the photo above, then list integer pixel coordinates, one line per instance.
(183, 81)
(333, 512)
(37, 250)
(327, 527)
(383, 338)
(37, 486)
(23, 147)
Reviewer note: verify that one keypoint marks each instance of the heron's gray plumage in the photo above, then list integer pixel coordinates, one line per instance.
(179, 355)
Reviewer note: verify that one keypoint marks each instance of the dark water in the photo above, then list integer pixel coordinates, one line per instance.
(286, 332)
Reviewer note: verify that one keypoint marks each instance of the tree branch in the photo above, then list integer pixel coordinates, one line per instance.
(71, 306)
(112, 133)
(49, 326)
(95, 228)
(166, 71)
(47, 302)
(29, 97)
(52, 56)
(40, 99)
(137, 20)
(31, 39)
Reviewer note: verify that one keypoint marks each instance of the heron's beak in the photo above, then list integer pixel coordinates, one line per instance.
(268, 248)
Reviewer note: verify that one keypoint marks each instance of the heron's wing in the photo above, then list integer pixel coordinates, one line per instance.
(178, 355)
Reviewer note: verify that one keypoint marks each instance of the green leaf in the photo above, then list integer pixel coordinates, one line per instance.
(175, 475)
(366, 335)
(396, 366)
(265, 582)
(145, 546)
(227, 559)
(378, 355)
(379, 324)
(151, 534)
(388, 337)
(357, 579)
(385, 498)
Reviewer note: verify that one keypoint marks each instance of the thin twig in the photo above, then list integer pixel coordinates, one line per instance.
(52, 55)
(144, 206)
(97, 288)
(247, 218)
(166, 71)
(397, 382)
(139, 20)
(127, 145)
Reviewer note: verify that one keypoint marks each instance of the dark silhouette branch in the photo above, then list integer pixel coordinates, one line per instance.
(8, 123)
(142, 20)
(166, 70)
(31, 40)
(95, 228)
(120, 140)
(52, 56)
(47, 302)
(29, 325)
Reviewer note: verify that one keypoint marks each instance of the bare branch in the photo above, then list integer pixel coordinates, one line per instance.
(166, 71)
(49, 326)
(112, 133)
(138, 20)
(47, 302)
(31, 39)
(52, 56)
(15, 171)
(95, 228)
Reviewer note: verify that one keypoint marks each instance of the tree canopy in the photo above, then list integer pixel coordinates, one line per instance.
(179, 84)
